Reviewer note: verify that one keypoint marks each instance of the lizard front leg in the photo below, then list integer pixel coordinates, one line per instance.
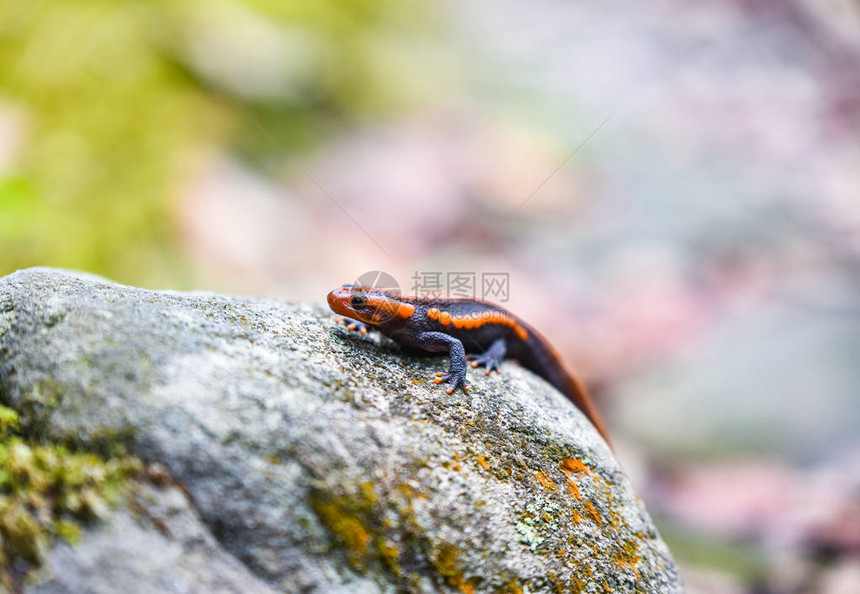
(439, 342)
(355, 325)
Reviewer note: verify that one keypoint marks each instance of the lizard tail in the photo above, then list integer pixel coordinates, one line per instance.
(545, 361)
(576, 391)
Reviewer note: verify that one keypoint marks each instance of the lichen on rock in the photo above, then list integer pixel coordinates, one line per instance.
(315, 460)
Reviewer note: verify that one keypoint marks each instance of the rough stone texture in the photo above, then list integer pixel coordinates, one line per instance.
(312, 459)
(165, 550)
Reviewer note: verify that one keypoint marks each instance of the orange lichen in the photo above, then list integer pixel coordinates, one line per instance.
(571, 468)
(628, 556)
(545, 481)
(593, 512)
(573, 488)
(574, 465)
(482, 462)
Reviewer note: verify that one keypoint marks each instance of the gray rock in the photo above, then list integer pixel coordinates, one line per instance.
(164, 550)
(314, 460)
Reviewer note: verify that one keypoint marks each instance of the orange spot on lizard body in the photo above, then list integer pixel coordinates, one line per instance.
(405, 310)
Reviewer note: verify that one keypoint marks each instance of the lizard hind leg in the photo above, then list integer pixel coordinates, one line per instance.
(491, 358)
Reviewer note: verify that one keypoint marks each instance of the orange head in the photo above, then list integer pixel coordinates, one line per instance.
(368, 304)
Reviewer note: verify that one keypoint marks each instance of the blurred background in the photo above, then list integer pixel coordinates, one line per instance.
(673, 187)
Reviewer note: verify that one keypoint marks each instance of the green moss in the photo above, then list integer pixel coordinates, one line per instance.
(8, 419)
(48, 491)
(36, 406)
(109, 442)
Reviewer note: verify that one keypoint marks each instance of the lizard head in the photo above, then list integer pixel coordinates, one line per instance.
(368, 304)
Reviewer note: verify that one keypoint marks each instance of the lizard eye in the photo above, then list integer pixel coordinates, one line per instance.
(358, 301)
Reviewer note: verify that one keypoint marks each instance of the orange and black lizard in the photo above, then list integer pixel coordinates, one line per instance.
(460, 326)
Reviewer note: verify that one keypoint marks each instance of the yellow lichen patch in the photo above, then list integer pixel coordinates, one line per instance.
(446, 561)
(368, 492)
(348, 529)
(409, 492)
(360, 522)
(545, 481)
(615, 519)
(346, 517)
(390, 555)
(580, 581)
(628, 556)
(456, 466)
(482, 462)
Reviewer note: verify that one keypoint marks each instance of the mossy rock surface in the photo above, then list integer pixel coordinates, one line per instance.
(309, 459)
